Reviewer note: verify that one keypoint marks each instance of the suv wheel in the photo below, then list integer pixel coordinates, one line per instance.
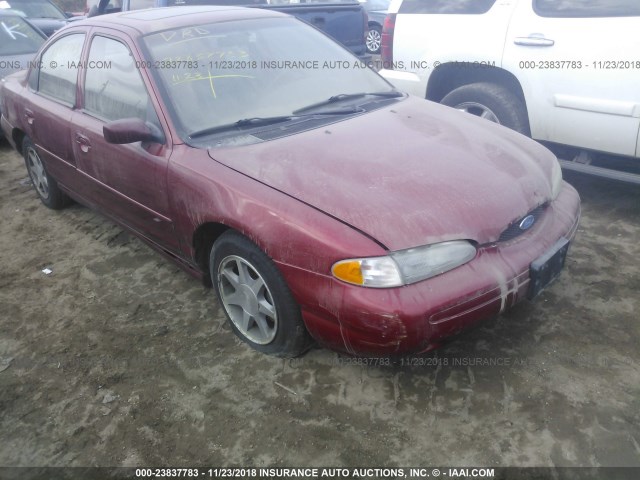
(492, 102)
(374, 39)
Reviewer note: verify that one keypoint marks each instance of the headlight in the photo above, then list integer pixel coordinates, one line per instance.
(556, 179)
(404, 267)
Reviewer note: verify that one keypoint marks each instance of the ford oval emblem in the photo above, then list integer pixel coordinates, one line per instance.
(527, 222)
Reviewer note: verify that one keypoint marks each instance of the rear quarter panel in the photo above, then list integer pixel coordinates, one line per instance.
(10, 89)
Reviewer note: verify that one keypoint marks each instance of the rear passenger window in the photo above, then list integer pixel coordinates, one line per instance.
(113, 86)
(58, 75)
(587, 8)
(463, 7)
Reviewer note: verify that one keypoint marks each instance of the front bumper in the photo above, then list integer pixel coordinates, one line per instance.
(415, 318)
(411, 83)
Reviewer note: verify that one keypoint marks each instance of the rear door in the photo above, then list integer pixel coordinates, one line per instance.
(579, 67)
(129, 181)
(49, 104)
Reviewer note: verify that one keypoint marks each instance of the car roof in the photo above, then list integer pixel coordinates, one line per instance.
(159, 19)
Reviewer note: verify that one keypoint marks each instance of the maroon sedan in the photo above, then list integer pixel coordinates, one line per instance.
(261, 156)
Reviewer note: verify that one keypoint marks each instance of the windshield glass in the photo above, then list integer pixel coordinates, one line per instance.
(17, 37)
(215, 75)
(37, 9)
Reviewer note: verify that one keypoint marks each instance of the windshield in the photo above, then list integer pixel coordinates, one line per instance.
(17, 37)
(37, 9)
(219, 74)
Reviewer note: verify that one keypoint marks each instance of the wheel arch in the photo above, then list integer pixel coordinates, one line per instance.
(449, 76)
(18, 137)
(202, 240)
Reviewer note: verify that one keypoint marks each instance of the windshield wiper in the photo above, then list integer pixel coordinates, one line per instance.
(262, 121)
(350, 96)
(245, 122)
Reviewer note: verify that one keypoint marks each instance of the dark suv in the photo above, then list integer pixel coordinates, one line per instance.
(42, 13)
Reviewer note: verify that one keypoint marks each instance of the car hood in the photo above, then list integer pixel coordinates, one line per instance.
(48, 25)
(407, 175)
(14, 63)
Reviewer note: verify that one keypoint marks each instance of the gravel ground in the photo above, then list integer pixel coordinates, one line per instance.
(118, 358)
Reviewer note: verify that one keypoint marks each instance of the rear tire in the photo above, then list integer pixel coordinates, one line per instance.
(492, 102)
(45, 185)
(373, 40)
(255, 298)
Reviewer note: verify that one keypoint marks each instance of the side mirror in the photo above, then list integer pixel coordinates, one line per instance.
(130, 130)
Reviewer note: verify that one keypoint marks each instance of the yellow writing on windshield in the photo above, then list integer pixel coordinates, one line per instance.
(185, 34)
(180, 79)
(213, 54)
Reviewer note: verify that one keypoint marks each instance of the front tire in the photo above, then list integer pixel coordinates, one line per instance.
(491, 102)
(257, 302)
(45, 185)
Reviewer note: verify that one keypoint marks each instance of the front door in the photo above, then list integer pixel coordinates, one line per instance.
(126, 181)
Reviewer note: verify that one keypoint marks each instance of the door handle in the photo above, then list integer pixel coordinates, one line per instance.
(533, 41)
(84, 142)
(28, 114)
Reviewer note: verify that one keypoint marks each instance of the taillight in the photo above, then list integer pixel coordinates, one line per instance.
(386, 48)
(365, 26)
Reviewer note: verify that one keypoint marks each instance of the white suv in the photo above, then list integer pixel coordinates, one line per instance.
(561, 71)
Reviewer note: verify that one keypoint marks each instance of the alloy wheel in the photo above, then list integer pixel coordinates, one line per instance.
(37, 173)
(373, 40)
(478, 110)
(247, 299)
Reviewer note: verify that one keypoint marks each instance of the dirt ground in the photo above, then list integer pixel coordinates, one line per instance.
(119, 358)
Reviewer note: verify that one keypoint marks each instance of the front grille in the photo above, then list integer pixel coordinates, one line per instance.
(514, 230)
